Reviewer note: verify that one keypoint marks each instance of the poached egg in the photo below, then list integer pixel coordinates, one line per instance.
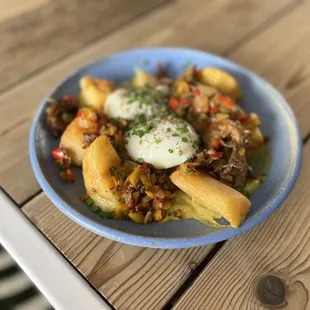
(162, 142)
(126, 104)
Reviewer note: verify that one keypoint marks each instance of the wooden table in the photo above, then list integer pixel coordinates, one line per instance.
(43, 40)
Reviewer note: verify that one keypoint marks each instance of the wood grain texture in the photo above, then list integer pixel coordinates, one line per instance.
(242, 16)
(129, 277)
(14, 8)
(14, 151)
(59, 28)
(281, 55)
(280, 246)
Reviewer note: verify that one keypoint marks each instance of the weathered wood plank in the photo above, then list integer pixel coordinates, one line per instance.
(173, 27)
(281, 55)
(14, 150)
(14, 8)
(41, 36)
(280, 246)
(129, 277)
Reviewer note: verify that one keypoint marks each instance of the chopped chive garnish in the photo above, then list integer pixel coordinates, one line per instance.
(123, 176)
(195, 144)
(184, 139)
(170, 150)
(89, 202)
(113, 171)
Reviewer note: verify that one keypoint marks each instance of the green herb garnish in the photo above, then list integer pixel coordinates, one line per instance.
(186, 65)
(196, 144)
(113, 171)
(89, 202)
(187, 171)
(123, 176)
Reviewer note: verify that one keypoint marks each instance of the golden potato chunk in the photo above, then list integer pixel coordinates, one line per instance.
(221, 80)
(72, 141)
(143, 78)
(94, 92)
(214, 195)
(99, 159)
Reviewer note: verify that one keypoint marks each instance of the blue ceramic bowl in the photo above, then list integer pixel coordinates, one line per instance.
(278, 123)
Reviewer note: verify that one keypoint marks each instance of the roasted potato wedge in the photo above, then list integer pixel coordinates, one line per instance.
(142, 78)
(72, 141)
(216, 196)
(221, 80)
(99, 158)
(94, 93)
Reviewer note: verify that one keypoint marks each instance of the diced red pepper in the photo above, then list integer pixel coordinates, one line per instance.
(216, 144)
(225, 100)
(67, 175)
(71, 99)
(243, 118)
(174, 103)
(58, 154)
(196, 92)
(159, 200)
(216, 155)
(79, 113)
(143, 167)
(185, 101)
(132, 203)
(249, 146)
(68, 98)
(70, 175)
(214, 110)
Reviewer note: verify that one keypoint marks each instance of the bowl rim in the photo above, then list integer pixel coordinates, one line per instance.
(166, 242)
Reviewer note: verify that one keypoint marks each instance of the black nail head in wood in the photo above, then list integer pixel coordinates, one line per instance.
(270, 290)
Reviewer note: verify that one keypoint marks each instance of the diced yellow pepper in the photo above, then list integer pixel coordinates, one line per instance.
(121, 210)
(134, 177)
(183, 87)
(137, 217)
(145, 181)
